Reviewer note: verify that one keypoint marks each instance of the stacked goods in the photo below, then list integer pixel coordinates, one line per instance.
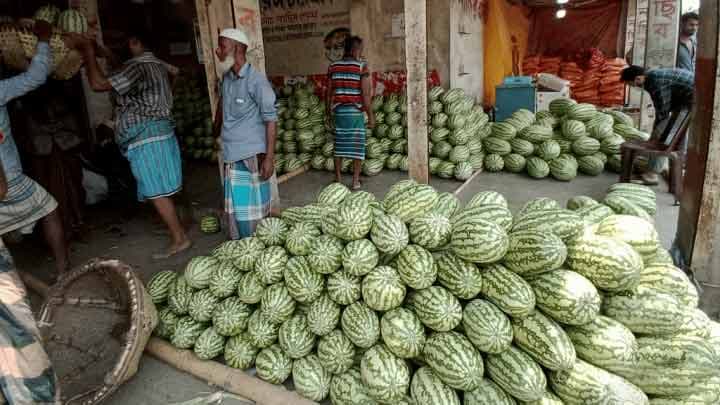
(301, 128)
(531, 65)
(412, 300)
(550, 65)
(457, 128)
(572, 137)
(612, 90)
(193, 120)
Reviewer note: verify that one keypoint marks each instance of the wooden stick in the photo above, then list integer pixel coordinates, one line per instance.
(35, 284)
(468, 181)
(287, 176)
(229, 379)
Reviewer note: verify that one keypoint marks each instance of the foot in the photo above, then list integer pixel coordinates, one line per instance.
(173, 250)
(649, 179)
(357, 185)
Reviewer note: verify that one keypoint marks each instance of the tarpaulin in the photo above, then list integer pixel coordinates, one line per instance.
(597, 25)
(504, 23)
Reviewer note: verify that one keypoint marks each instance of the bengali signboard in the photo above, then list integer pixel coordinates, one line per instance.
(662, 37)
(303, 34)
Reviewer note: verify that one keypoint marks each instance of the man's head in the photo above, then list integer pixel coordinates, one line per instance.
(232, 48)
(353, 47)
(633, 75)
(138, 43)
(689, 23)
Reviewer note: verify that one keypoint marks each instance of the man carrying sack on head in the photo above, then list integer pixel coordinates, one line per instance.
(247, 126)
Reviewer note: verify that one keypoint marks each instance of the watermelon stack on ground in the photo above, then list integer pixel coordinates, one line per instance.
(551, 305)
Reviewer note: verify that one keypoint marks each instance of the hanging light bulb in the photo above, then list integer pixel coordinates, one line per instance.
(560, 13)
(561, 1)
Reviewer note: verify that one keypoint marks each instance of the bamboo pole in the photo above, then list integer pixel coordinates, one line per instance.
(287, 176)
(466, 183)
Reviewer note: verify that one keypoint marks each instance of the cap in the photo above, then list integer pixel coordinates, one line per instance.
(235, 34)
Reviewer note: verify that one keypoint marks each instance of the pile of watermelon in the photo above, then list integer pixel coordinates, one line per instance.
(191, 113)
(456, 129)
(568, 139)
(301, 128)
(417, 300)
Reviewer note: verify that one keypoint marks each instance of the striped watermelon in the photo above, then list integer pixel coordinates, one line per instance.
(276, 304)
(389, 234)
(343, 288)
(493, 162)
(487, 327)
(611, 265)
(593, 214)
(167, 321)
(496, 146)
(360, 324)
(488, 393)
(260, 331)
(439, 120)
(187, 331)
(273, 365)
(461, 278)
(503, 130)
(573, 130)
(231, 316)
(209, 344)
(403, 333)
(385, 376)
(563, 168)
(239, 352)
(642, 195)
(536, 167)
(566, 296)
(508, 291)
(637, 232)
(646, 311)
(179, 295)
(323, 316)
(72, 21)
(514, 163)
(224, 280)
(622, 205)
(522, 147)
(159, 285)
(48, 13)
(333, 194)
(582, 112)
(549, 398)
(199, 270)
(536, 204)
(477, 161)
(272, 231)
(459, 137)
(430, 231)
(587, 384)
(383, 289)
(436, 308)
(348, 389)
(487, 198)
(336, 352)
(202, 305)
(590, 165)
(250, 288)
(446, 205)
(303, 284)
(300, 238)
(560, 106)
(548, 150)
(517, 373)
(585, 146)
(310, 379)
(326, 256)
(544, 340)
(580, 201)
(454, 360)
(536, 133)
(564, 223)
(360, 257)
(411, 202)
(533, 252)
(427, 388)
(271, 264)
(671, 280)
(452, 95)
(605, 343)
(416, 267)
(477, 240)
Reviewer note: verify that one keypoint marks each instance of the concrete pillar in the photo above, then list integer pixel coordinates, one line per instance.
(416, 62)
(698, 223)
(466, 49)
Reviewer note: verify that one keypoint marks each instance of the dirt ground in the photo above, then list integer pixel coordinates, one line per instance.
(131, 232)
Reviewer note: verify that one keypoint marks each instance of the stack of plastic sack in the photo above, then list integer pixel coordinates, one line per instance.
(550, 65)
(530, 65)
(612, 90)
(571, 72)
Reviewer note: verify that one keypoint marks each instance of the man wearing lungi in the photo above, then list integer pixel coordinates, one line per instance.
(145, 132)
(247, 125)
(26, 202)
(348, 95)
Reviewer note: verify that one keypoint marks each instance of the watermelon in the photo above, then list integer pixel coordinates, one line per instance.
(508, 291)
(671, 280)
(231, 316)
(72, 21)
(310, 379)
(223, 282)
(493, 162)
(560, 106)
(538, 204)
(487, 198)
(647, 311)
(360, 324)
(202, 305)
(300, 238)
(496, 146)
(488, 393)
(536, 133)
(412, 202)
(436, 308)
(333, 194)
(277, 305)
(454, 360)
(167, 321)
(261, 332)
(303, 284)
(427, 388)
(160, 284)
(592, 214)
(239, 352)
(187, 331)
(348, 389)
(622, 205)
(270, 264)
(503, 130)
(461, 278)
(336, 352)
(343, 288)
(403, 333)
(209, 344)
(536, 167)
(250, 288)
(590, 165)
(637, 232)
(533, 252)
(487, 327)
(323, 316)
(605, 343)
(598, 386)
(273, 365)
(582, 112)
(385, 376)
(573, 130)
(416, 267)
(446, 205)
(477, 240)
(179, 295)
(246, 252)
(611, 265)
(564, 223)
(517, 374)
(199, 270)
(548, 150)
(209, 224)
(580, 201)
(522, 147)
(544, 340)
(272, 231)
(360, 257)
(566, 296)
(48, 13)
(585, 146)
(326, 254)
(514, 163)
(383, 289)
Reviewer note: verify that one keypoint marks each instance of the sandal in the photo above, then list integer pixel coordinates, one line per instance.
(357, 186)
(170, 253)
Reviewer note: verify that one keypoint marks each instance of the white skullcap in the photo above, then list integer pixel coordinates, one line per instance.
(235, 34)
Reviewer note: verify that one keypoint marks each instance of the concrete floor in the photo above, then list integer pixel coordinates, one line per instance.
(131, 233)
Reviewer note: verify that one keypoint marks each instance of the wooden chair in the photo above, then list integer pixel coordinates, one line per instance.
(675, 133)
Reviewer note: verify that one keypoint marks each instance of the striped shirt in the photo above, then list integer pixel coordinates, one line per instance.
(346, 76)
(143, 92)
(670, 89)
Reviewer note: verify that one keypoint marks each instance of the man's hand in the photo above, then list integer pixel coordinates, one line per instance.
(43, 30)
(268, 166)
(371, 120)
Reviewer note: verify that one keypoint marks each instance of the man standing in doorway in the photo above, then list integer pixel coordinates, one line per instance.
(25, 201)
(348, 95)
(144, 129)
(672, 91)
(687, 45)
(247, 125)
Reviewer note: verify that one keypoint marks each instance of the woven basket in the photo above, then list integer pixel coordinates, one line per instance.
(28, 41)
(95, 323)
(69, 66)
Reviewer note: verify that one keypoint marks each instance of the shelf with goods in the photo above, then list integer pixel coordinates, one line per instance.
(415, 299)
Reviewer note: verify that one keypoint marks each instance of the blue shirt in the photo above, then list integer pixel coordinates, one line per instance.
(14, 87)
(248, 103)
(686, 55)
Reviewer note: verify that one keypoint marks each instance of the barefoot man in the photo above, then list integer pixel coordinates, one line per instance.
(145, 131)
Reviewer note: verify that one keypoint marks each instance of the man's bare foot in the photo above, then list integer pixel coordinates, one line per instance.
(173, 250)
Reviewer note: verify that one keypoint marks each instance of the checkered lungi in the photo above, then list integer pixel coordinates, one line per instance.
(26, 203)
(248, 198)
(26, 375)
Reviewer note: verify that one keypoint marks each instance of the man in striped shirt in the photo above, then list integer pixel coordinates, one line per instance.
(144, 130)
